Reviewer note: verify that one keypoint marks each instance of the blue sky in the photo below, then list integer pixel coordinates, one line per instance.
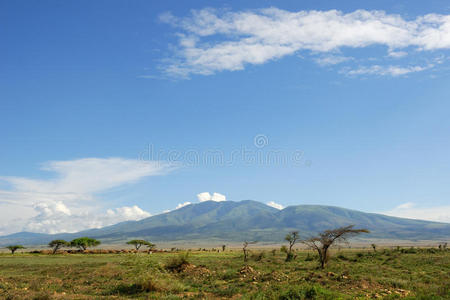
(354, 96)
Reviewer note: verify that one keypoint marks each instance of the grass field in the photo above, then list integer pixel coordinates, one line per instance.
(351, 274)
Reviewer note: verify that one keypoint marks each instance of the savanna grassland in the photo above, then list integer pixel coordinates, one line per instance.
(408, 273)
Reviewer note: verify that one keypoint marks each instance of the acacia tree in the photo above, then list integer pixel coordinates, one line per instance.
(291, 238)
(56, 244)
(139, 243)
(13, 248)
(84, 242)
(246, 251)
(324, 240)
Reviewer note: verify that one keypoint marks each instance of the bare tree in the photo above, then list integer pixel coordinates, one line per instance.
(292, 238)
(324, 240)
(246, 251)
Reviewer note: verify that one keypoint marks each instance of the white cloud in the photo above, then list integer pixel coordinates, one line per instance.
(56, 217)
(43, 205)
(386, 70)
(211, 40)
(218, 197)
(88, 175)
(331, 60)
(127, 213)
(275, 205)
(183, 205)
(397, 54)
(202, 197)
(410, 210)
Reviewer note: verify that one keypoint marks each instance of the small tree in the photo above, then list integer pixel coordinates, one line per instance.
(84, 242)
(223, 248)
(139, 243)
(56, 244)
(246, 251)
(150, 247)
(324, 240)
(291, 238)
(13, 248)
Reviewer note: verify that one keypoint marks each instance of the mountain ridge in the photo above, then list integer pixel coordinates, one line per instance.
(247, 219)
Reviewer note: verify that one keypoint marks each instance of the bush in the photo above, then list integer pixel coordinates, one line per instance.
(342, 257)
(410, 250)
(309, 257)
(177, 263)
(307, 292)
(258, 256)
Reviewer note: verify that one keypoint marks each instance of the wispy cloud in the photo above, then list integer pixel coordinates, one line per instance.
(331, 60)
(385, 70)
(397, 54)
(412, 211)
(48, 204)
(211, 41)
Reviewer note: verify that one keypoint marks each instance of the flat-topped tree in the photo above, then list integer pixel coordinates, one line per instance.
(84, 242)
(139, 243)
(324, 240)
(14, 248)
(57, 244)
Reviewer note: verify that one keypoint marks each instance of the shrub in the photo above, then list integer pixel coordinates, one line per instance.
(307, 292)
(342, 257)
(259, 256)
(176, 264)
(309, 257)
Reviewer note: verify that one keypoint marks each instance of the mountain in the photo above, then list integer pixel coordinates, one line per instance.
(248, 220)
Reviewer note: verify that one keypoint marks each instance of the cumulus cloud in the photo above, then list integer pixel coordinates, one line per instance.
(56, 218)
(205, 196)
(208, 197)
(218, 197)
(212, 40)
(275, 205)
(42, 205)
(412, 211)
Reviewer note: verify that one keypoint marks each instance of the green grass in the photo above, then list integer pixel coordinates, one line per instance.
(355, 274)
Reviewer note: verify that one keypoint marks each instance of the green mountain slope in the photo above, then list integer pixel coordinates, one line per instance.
(249, 220)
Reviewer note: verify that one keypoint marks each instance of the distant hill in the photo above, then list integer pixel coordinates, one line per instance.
(248, 220)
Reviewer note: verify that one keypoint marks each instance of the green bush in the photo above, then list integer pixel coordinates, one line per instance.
(307, 292)
(177, 263)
